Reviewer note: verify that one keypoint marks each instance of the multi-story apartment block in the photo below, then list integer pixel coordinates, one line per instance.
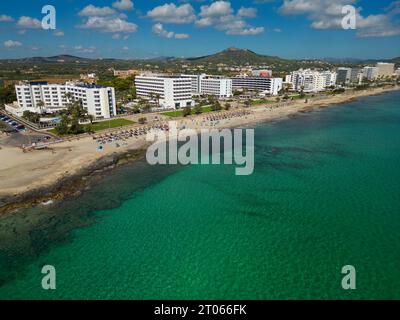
(371, 73)
(210, 85)
(355, 74)
(221, 87)
(266, 86)
(330, 78)
(195, 79)
(343, 75)
(385, 69)
(311, 80)
(42, 97)
(170, 91)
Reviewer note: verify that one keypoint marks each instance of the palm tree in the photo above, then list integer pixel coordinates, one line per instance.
(41, 105)
(158, 99)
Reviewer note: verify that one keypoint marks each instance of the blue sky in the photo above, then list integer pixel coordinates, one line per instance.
(149, 28)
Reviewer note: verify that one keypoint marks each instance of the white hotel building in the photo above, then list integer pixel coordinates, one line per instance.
(266, 86)
(172, 91)
(210, 85)
(41, 97)
(311, 80)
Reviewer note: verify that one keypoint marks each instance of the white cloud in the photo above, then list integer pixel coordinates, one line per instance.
(221, 15)
(29, 23)
(123, 5)
(247, 12)
(159, 30)
(246, 31)
(109, 24)
(170, 13)
(58, 33)
(216, 9)
(82, 49)
(4, 18)
(181, 36)
(326, 14)
(12, 44)
(92, 10)
(125, 48)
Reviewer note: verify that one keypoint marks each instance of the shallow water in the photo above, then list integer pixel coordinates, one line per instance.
(324, 194)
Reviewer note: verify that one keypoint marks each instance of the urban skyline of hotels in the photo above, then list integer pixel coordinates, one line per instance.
(178, 91)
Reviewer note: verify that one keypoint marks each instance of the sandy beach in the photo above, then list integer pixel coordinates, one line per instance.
(22, 173)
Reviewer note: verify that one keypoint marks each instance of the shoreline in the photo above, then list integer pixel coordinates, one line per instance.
(58, 173)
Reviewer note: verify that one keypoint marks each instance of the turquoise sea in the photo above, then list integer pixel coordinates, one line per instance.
(325, 193)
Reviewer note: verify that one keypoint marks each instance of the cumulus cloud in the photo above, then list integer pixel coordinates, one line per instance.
(109, 24)
(82, 49)
(325, 14)
(221, 15)
(159, 30)
(123, 5)
(106, 19)
(12, 44)
(29, 23)
(5, 18)
(170, 13)
(92, 10)
(247, 12)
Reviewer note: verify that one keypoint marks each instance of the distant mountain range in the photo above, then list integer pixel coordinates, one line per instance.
(230, 56)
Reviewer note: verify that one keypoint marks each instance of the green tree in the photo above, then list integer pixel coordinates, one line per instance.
(227, 106)
(302, 94)
(72, 117)
(7, 95)
(187, 111)
(198, 109)
(31, 116)
(216, 106)
(63, 126)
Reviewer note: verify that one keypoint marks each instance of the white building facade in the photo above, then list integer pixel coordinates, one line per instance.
(171, 91)
(385, 69)
(266, 86)
(311, 80)
(210, 85)
(221, 87)
(41, 97)
(370, 73)
(343, 75)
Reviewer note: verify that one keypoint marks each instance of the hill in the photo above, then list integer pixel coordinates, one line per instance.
(241, 57)
(53, 59)
(235, 56)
